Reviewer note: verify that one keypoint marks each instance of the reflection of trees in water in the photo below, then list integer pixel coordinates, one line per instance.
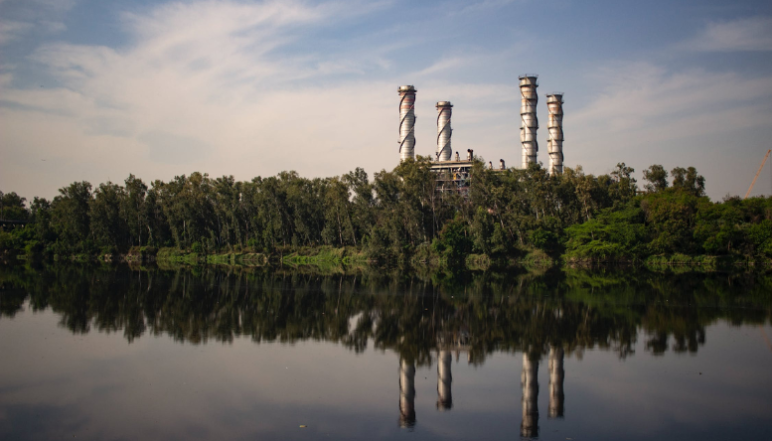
(412, 315)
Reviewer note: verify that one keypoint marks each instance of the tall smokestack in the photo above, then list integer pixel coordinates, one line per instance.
(406, 122)
(528, 120)
(444, 132)
(555, 127)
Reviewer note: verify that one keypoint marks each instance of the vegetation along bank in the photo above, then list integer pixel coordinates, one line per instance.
(508, 216)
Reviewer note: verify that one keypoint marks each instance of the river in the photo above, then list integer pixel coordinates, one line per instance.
(125, 353)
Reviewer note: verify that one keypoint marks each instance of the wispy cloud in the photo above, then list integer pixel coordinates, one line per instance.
(467, 7)
(252, 88)
(646, 114)
(10, 30)
(442, 65)
(201, 86)
(20, 17)
(646, 99)
(746, 34)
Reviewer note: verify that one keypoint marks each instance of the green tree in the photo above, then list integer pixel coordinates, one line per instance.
(107, 219)
(688, 180)
(656, 175)
(70, 218)
(12, 207)
(134, 210)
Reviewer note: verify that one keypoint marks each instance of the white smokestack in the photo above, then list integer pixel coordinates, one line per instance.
(555, 127)
(406, 122)
(444, 132)
(528, 120)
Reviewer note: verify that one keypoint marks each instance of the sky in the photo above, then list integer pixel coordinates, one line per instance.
(93, 90)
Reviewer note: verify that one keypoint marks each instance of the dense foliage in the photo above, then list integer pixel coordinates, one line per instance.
(399, 213)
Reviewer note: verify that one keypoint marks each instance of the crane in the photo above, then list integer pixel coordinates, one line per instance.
(757, 174)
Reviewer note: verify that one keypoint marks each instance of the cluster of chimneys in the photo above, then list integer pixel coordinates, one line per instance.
(529, 124)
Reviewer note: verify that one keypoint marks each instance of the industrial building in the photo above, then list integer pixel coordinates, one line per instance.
(453, 172)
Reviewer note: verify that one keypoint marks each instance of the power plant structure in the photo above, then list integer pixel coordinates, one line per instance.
(454, 173)
(555, 127)
(406, 122)
(529, 123)
(444, 132)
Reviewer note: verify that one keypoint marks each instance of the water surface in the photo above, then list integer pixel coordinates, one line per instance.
(114, 353)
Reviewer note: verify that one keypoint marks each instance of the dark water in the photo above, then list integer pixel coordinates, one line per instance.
(125, 354)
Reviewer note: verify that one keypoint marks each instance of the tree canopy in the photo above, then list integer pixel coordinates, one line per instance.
(398, 213)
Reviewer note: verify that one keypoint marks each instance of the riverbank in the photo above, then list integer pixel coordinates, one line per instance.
(326, 256)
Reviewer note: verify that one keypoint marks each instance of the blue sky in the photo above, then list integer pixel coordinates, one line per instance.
(94, 90)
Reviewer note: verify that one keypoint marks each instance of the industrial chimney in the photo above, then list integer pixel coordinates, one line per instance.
(555, 127)
(528, 120)
(406, 122)
(444, 132)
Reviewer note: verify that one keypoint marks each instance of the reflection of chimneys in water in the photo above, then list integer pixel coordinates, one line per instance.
(406, 122)
(555, 127)
(529, 123)
(444, 379)
(444, 132)
(556, 382)
(406, 394)
(530, 425)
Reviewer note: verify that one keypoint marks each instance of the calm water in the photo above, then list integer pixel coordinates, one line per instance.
(120, 353)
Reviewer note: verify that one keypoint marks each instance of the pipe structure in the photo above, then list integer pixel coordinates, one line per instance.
(406, 122)
(444, 379)
(555, 127)
(529, 428)
(529, 123)
(444, 132)
(406, 394)
(556, 382)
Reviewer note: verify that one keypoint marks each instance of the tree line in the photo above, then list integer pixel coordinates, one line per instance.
(399, 213)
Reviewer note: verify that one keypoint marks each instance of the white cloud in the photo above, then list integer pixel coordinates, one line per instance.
(746, 34)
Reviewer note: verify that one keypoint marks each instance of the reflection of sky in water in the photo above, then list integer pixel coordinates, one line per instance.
(55, 384)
